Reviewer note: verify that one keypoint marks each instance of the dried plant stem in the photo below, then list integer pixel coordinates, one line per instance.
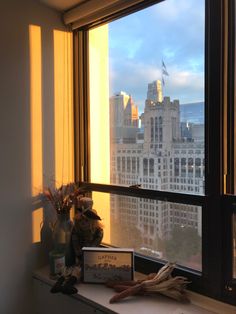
(112, 284)
(126, 293)
(162, 282)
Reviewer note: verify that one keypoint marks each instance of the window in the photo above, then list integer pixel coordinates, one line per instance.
(150, 89)
(190, 167)
(123, 164)
(128, 164)
(151, 167)
(152, 130)
(197, 167)
(176, 160)
(145, 167)
(118, 164)
(183, 167)
(179, 112)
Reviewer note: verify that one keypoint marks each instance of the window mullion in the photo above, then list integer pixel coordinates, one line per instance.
(229, 200)
(81, 108)
(212, 217)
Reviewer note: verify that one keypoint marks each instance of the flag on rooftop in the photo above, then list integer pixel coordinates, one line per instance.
(164, 70)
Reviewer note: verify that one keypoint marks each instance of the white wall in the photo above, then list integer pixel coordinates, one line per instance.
(17, 257)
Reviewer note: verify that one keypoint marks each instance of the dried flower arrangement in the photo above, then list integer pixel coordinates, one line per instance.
(161, 282)
(64, 197)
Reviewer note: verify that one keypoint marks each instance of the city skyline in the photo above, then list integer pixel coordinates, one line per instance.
(140, 42)
(189, 113)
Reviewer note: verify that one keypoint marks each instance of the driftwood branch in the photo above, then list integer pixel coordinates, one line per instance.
(161, 282)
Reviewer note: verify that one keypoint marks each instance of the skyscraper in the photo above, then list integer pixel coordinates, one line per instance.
(124, 118)
(154, 92)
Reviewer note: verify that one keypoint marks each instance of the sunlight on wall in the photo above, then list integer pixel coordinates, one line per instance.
(36, 108)
(102, 205)
(63, 115)
(37, 219)
(35, 54)
(99, 105)
(63, 107)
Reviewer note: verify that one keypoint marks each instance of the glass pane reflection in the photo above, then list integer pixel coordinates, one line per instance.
(162, 230)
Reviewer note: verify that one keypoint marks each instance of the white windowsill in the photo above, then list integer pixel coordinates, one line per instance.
(98, 296)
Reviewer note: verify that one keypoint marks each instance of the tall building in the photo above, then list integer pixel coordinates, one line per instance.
(161, 159)
(154, 92)
(124, 118)
(123, 111)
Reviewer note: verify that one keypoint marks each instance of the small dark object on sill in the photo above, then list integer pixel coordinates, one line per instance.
(68, 287)
(135, 186)
(65, 285)
(57, 287)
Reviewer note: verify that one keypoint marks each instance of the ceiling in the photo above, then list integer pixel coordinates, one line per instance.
(62, 5)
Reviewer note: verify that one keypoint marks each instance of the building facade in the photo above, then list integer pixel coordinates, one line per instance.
(158, 156)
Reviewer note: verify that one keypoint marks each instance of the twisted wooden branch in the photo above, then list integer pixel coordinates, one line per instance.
(162, 282)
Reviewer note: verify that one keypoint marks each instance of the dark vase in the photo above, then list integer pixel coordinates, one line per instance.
(62, 237)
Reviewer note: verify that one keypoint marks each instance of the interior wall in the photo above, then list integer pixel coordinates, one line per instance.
(18, 254)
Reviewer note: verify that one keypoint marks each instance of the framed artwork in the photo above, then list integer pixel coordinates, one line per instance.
(103, 264)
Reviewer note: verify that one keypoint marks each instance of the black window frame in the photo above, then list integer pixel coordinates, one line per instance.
(215, 280)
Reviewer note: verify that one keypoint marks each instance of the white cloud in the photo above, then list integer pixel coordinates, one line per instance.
(187, 79)
(173, 30)
(133, 76)
(172, 10)
(175, 10)
(186, 86)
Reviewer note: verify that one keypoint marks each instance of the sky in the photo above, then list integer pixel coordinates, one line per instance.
(172, 31)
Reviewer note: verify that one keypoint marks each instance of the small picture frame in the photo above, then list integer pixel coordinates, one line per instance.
(103, 264)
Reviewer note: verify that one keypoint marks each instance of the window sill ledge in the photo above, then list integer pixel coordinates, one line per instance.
(97, 296)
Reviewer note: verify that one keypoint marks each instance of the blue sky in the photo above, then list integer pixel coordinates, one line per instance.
(172, 30)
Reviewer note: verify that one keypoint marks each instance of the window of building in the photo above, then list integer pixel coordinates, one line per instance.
(145, 167)
(123, 164)
(190, 167)
(197, 167)
(128, 164)
(176, 161)
(183, 167)
(151, 167)
(152, 130)
(118, 163)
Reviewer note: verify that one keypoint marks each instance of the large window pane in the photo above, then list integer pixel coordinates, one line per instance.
(147, 98)
(158, 229)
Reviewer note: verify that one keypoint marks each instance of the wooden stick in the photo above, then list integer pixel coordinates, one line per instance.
(112, 284)
(162, 282)
(126, 293)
